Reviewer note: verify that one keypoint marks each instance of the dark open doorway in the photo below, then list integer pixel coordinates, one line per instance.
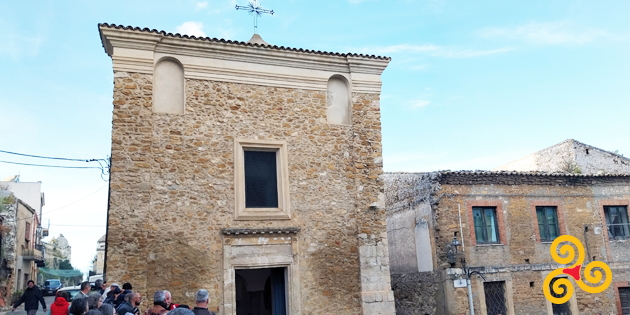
(261, 291)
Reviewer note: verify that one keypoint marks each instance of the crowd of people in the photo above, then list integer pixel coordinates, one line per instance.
(110, 300)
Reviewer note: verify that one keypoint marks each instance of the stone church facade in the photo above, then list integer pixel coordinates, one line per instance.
(248, 170)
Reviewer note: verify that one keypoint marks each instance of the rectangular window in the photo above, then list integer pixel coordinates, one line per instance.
(27, 233)
(486, 225)
(495, 297)
(261, 180)
(559, 309)
(624, 298)
(547, 223)
(617, 222)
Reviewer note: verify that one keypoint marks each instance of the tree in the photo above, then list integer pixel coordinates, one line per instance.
(65, 265)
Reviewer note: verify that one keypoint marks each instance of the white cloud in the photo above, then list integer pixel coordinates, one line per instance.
(191, 28)
(433, 50)
(419, 103)
(546, 33)
(201, 5)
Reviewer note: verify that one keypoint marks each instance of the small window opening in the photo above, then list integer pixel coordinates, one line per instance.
(531, 284)
(586, 151)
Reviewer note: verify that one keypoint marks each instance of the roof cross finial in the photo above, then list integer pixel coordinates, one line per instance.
(254, 9)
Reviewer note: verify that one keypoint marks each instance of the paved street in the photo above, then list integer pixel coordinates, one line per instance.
(20, 310)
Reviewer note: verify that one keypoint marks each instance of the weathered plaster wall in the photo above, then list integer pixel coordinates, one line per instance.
(172, 190)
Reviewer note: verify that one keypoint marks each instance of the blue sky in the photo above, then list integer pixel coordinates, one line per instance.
(471, 85)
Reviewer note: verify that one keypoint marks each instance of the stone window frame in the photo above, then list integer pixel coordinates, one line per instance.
(572, 301)
(283, 211)
(509, 292)
(602, 217)
(559, 212)
(500, 220)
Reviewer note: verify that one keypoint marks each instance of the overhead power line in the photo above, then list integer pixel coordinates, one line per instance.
(42, 165)
(51, 158)
(103, 163)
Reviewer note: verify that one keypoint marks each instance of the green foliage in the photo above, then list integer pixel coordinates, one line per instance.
(65, 265)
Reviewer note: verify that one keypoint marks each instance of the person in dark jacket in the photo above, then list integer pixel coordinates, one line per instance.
(112, 295)
(31, 296)
(121, 298)
(202, 298)
(132, 301)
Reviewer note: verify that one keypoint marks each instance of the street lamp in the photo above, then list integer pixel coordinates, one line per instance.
(452, 251)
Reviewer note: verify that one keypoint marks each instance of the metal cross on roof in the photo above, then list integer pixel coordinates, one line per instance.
(254, 9)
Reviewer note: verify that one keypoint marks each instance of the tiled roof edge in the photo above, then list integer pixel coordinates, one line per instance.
(226, 41)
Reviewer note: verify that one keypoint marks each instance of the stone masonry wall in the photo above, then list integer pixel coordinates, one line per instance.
(172, 190)
(522, 259)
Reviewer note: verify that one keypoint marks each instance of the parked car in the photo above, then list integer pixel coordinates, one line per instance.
(51, 286)
(73, 291)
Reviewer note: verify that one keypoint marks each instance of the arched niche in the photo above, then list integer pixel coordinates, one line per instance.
(338, 101)
(168, 87)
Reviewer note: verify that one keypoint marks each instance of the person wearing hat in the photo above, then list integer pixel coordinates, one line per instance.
(112, 295)
(114, 285)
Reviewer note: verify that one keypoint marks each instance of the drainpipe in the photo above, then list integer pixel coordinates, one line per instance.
(470, 298)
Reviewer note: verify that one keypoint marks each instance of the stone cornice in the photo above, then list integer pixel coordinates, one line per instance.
(260, 231)
(136, 50)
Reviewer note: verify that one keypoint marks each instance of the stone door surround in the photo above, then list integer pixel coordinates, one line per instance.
(252, 248)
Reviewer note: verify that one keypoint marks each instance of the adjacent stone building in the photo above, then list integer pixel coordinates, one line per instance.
(505, 222)
(20, 254)
(99, 259)
(249, 170)
(571, 156)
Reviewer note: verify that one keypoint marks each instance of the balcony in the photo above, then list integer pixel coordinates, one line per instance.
(33, 255)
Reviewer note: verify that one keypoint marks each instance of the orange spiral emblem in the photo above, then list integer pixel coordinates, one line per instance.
(590, 275)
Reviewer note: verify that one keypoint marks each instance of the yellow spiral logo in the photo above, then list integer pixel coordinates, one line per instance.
(590, 275)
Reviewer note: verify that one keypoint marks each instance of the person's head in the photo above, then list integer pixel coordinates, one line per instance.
(159, 297)
(94, 312)
(114, 285)
(202, 297)
(167, 297)
(180, 311)
(107, 309)
(85, 287)
(104, 285)
(31, 283)
(62, 294)
(127, 286)
(95, 300)
(79, 306)
(136, 299)
(98, 283)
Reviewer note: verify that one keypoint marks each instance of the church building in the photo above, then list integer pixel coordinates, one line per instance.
(249, 170)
